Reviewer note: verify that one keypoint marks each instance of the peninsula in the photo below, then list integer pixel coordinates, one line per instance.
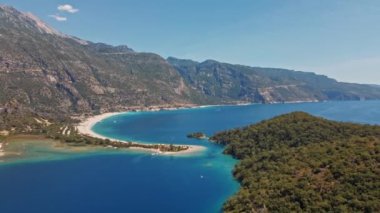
(301, 163)
(77, 131)
(85, 128)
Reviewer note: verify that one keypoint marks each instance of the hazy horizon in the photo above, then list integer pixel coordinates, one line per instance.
(338, 39)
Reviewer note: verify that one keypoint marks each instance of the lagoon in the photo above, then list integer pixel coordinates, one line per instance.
(141, 182)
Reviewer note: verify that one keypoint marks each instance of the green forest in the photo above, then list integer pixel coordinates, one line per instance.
(301, 163)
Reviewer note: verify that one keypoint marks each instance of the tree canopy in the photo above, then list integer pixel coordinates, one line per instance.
(298, 162)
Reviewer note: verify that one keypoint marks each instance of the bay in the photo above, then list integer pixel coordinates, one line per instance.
(142, 182)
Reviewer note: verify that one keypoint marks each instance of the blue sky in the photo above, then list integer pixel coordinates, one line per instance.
(338, 38)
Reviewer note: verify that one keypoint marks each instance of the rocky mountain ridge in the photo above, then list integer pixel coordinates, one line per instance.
(51, 72)
(46, 71)
(229, 82)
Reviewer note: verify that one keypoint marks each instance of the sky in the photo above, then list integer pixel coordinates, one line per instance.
(337, 38)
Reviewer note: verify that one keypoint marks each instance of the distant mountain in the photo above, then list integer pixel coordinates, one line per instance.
(228, 82)
(46, 71)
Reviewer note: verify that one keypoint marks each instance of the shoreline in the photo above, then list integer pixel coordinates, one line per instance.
(2, 153)
(86, 124)
(85, 128)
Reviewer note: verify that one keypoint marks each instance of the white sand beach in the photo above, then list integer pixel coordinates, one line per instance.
(2, 153)
(85, 128)
(191, 150)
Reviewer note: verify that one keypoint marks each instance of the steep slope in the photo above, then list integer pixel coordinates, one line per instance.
(301, 163)
(52, 72)
(229, 83)
(49, 72)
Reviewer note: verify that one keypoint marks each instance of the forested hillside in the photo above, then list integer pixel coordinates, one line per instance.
(297, 162)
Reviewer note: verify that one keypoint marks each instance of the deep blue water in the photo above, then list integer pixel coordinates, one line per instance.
(141, 182)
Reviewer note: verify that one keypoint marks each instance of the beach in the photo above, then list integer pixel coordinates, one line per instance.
(1, 150)
(191, 150)
(85, 128)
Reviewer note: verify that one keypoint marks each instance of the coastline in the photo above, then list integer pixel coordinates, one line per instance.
(85, 128)
(2, 153)
(86, 124)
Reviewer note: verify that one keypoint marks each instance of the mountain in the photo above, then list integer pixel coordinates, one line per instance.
(301, 163)
(227, 83)
(53, 72)
(46, 71)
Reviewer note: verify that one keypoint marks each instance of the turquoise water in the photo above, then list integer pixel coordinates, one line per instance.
(141, 182)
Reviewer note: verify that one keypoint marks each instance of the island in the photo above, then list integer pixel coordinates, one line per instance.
(197, 135)
(301, 163)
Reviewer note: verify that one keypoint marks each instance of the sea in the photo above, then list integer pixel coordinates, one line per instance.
(135, 181)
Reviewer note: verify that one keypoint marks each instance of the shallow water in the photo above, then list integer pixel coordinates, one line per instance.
(141, 182)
